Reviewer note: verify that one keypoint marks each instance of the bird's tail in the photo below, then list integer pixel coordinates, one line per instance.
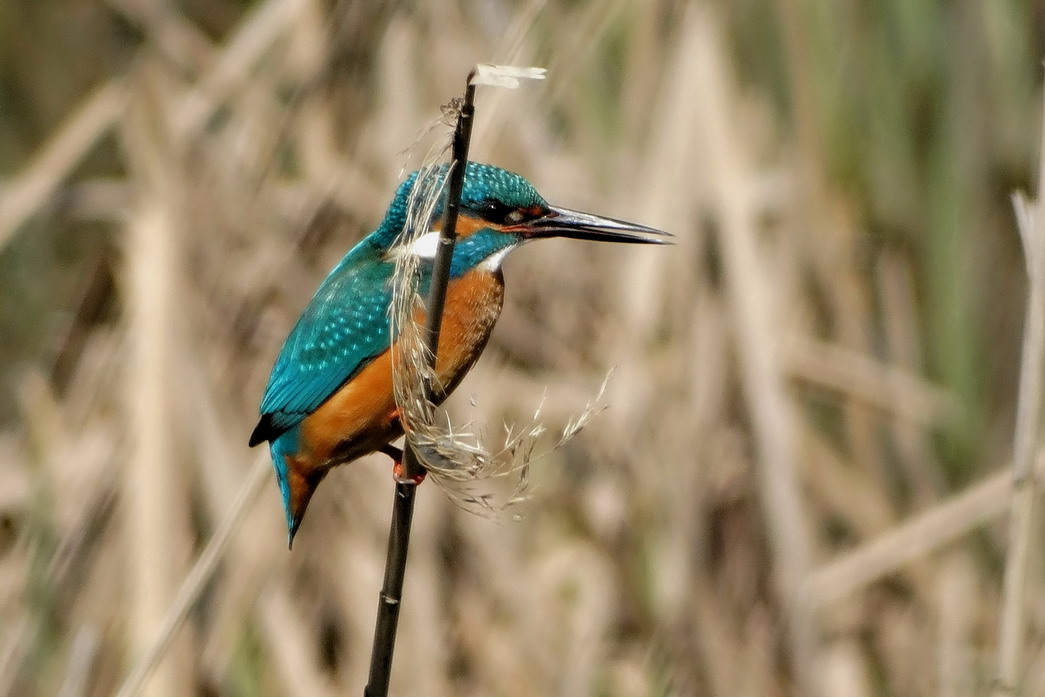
(296, 481)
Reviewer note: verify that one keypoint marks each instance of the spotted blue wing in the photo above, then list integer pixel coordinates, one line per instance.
(344, 327)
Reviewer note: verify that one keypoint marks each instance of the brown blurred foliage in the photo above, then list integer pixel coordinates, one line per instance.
(798, 475)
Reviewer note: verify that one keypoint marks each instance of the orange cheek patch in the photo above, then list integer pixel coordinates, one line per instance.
(467, 225)
(473, 303)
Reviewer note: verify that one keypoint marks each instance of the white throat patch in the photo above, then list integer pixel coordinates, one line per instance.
(427, 245)
(424, 246)
(493, 262)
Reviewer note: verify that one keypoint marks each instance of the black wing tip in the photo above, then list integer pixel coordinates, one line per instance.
(262, 432)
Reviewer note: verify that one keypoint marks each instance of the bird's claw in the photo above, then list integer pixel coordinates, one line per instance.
(399, 474)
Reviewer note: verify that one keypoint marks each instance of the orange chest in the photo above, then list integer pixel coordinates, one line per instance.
(360, 416)
(473, 304)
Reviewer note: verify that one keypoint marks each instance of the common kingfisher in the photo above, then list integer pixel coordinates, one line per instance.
(329, 398)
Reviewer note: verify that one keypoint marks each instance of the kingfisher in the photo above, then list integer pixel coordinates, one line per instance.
(330, 398)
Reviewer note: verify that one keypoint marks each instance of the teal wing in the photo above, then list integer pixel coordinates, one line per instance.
(342, 330)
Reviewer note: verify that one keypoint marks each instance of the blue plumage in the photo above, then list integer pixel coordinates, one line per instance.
(284, 445)
(344, 327)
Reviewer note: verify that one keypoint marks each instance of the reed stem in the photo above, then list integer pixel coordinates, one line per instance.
(1013, 617)
(403, 504)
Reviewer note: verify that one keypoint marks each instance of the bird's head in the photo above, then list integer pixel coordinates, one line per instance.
(499, 211)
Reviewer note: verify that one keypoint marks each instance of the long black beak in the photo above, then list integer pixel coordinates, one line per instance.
(561, 222)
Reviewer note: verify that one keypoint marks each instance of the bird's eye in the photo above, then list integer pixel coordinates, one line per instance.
(499, 213)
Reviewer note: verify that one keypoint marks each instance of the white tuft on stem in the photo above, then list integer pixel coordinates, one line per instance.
(505, 75)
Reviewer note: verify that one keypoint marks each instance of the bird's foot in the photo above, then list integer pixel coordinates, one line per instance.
(398, 471)
(399, 474)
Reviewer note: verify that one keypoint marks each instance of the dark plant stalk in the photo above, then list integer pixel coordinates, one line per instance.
(403, 505)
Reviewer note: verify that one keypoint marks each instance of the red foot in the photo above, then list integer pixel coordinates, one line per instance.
(400, 475)
(397, 466)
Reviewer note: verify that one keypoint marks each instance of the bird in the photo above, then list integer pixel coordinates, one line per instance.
(329, 398)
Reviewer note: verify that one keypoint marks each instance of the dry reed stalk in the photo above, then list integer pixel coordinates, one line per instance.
(832, 481)
(862, 378)
(212, 447)
(832, 254)
(102, 199)
(1034, 682)
(153, 496)
(582, 637)
(69, 499)
(925, 532)
(758, 342)
(81, 659)
(398, 112)
(176, 37)
(958, 588)
(23, 197)
(14, 485)
(898, 300)
(568, 62)
(26, 627)
(716, 642)
(512, 51)
(660, 184)
(243, 558)
(289, 646)
(254, 36)
(316, 129)
(1030, 220)
(845, 670)
(159, 638)
(805, 114)
(13, 650)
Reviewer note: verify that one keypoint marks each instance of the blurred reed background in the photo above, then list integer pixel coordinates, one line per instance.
(801, 477)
